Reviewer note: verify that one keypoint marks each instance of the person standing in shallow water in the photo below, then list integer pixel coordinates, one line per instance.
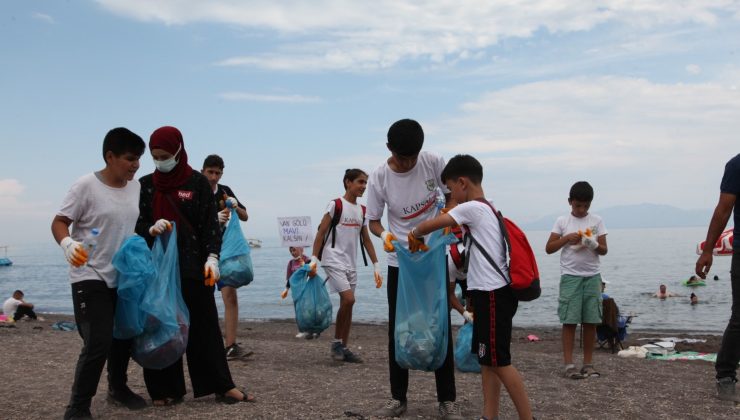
(175, 192)
(729, 352)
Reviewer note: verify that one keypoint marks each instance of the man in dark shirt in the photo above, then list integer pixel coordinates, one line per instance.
(213, 169)
(729, 352)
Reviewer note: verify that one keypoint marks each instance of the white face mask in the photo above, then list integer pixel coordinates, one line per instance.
(167, 165)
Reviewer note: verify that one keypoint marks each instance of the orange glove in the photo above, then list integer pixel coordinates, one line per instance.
(387, 237)
(210, 270)
(377, 275)
(74, 252)
(313, 266)
(416, 244)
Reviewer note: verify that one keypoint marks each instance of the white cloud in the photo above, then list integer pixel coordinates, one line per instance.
(258, 97)
(693, 69)
(641, 141)
(10, 196)
(330, 35)
(43, 17)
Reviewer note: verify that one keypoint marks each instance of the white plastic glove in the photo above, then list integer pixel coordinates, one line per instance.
(377, 275)
(387, 237)
(224, 216)
(231, 202)
(589, 242)
(159, 227)
(313, 265)
(75, 254)
(210, 270)
(468, 316)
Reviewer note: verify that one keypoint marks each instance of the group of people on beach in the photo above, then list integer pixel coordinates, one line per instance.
(405, 186)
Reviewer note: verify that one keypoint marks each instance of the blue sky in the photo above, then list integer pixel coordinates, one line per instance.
(640, 98)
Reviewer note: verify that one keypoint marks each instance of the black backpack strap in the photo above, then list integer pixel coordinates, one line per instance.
(362, 241)
(332, 227)
(504, 237)
(472, 241)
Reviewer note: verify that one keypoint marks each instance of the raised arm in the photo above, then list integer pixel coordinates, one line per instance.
(719, 220)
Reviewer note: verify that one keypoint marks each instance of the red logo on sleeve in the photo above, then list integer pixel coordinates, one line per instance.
(185, 195)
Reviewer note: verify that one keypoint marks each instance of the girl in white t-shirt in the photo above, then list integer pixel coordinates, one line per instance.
(336, 246)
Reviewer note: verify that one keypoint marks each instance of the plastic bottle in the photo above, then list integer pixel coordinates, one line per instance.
(90, 242)
(440, 201)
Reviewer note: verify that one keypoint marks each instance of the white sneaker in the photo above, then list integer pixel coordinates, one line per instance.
(301, 335)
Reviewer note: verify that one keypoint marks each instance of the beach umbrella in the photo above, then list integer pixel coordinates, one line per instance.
(723, 246)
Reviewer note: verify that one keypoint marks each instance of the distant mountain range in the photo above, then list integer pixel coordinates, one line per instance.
(638, 216)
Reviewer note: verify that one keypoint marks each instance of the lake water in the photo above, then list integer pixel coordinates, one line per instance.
(638, 261)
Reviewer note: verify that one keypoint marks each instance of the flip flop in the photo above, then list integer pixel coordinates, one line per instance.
(227, 399)
(573, 373)
(588, 371)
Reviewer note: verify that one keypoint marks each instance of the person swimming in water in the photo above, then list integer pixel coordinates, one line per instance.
(664, 293)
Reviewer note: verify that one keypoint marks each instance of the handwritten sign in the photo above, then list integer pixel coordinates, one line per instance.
(296, 231)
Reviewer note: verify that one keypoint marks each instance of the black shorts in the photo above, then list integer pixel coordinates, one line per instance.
(493, 312)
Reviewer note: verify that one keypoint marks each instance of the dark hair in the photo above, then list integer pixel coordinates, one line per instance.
(20, 292)
(463, 165)
(405, 137)
(213, 161)
(581, 191)
(350, 175)
(122, 140)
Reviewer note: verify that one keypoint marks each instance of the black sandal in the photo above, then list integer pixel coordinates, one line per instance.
(227, 399)
(167, 402)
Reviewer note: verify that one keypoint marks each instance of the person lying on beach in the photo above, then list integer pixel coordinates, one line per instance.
(664, 293)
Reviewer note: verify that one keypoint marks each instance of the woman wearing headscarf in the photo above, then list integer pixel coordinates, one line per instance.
(175, 192)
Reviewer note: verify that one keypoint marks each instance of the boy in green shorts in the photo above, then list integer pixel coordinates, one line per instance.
(582, 238)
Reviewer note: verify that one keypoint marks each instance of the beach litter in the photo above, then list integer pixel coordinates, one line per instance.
(64, 326)
(532, 337)
(674, 339)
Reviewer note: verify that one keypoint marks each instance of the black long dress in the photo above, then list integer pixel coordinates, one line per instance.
(198, 235)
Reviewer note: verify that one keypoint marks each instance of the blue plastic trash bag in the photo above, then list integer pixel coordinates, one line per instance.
(422, 315)
(136, 270)
(167, 321)
(313, 308)
(235, 263)
(465, 360)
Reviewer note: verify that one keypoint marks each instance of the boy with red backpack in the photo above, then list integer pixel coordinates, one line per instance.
(489, 282)
(341, 228)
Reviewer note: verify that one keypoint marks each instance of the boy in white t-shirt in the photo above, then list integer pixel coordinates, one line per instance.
(107, 200)
(490, 293)
(16, 308)
(582, 238)
(336, 247)
(407, 184)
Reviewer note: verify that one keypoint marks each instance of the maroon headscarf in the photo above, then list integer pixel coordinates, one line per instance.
(170, 140)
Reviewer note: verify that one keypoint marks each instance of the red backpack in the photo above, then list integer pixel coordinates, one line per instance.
(524, 277)
(333, 229)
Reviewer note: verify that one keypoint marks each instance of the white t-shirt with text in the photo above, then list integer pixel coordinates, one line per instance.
(479, 219)
(577, 260)
(410, 196)
(344, 253)
(92, 204)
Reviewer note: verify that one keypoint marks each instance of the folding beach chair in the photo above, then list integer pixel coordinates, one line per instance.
(613, 329)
